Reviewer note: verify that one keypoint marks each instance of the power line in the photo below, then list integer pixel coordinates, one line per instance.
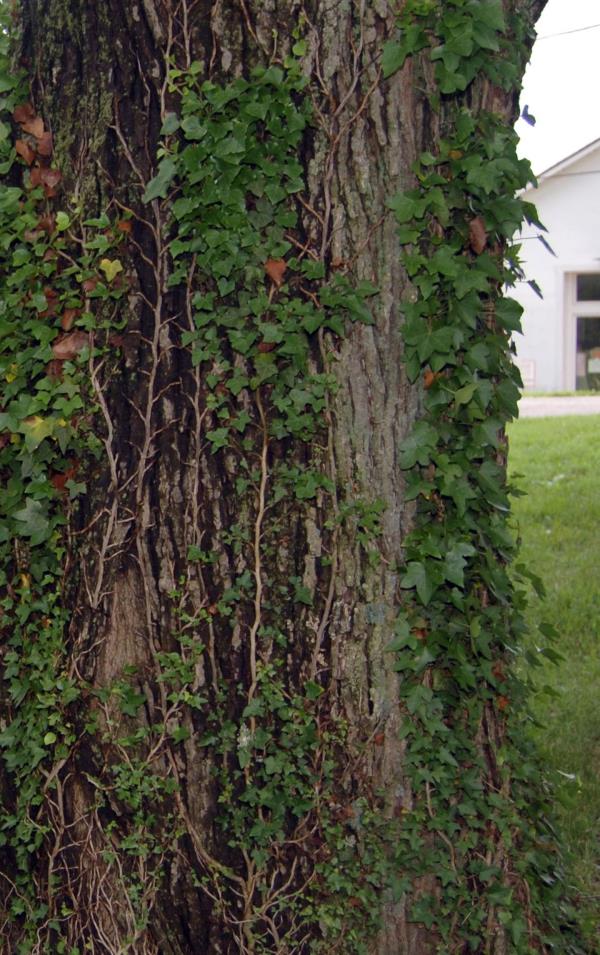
(550, 36)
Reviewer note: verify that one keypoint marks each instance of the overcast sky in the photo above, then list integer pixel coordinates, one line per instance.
(562, 83)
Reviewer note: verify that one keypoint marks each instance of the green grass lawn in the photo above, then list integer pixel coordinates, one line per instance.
(583, 393)
(559, 522)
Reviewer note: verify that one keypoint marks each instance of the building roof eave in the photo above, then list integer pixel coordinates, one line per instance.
(568, 161)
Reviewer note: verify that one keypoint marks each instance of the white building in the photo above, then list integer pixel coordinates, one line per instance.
(560, 346)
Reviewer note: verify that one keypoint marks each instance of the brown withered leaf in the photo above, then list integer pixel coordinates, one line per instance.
(125, 225)
(275, 269)
(35, 177)
(25, 151)
(68, 318)
(52, 302)
(45, 145)
(88, 285)
(50, 179)
(32, 235)
(70, 345)
(47, 223)
(54, 369)
(35, 127)
(23, 113)
(477, 235)
(266, 347)
(59, 480)
(430, 376)
(498, 670)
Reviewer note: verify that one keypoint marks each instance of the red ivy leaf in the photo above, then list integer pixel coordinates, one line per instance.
(54, 369)
(45, 145)
(477, 235)
(25, 151)
(47, 223)
(68, 346)
(68, 318)
(275, 269)
(59, 480)
(35, 127)
(50, 179)
(23, 113)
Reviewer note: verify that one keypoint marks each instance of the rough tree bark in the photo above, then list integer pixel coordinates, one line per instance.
(98, 77)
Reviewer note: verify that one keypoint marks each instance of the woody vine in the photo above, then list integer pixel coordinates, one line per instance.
(258, 311)
(459, 632)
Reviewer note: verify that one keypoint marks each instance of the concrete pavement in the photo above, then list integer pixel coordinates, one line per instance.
(553, 406)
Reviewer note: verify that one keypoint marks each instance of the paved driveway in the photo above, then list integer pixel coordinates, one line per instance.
(553, 407)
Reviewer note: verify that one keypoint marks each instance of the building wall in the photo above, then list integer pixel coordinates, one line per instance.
(568, 203)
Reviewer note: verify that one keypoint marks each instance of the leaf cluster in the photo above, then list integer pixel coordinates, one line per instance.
(457, 639)
(229, 164)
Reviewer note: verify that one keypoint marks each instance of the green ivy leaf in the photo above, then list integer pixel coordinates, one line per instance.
(159, 186)
(62, 221)
(313, 690)
(179, 734)
(35, 429)
(491, 14)
(302, 594)
(455, 562)
(509, 312)
(463, 395)
(308, 483)
(419, 576)
(219, 438)
(417, 447)
(393, 57)
(170, 124)
(33, 521)
(406, 207)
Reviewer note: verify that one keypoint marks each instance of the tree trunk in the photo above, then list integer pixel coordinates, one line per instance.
(237, 767)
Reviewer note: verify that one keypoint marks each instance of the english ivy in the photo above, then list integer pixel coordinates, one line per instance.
(476, 803)
(228, 176)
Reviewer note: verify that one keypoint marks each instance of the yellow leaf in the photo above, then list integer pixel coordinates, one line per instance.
(36, 429)
(111, 268)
